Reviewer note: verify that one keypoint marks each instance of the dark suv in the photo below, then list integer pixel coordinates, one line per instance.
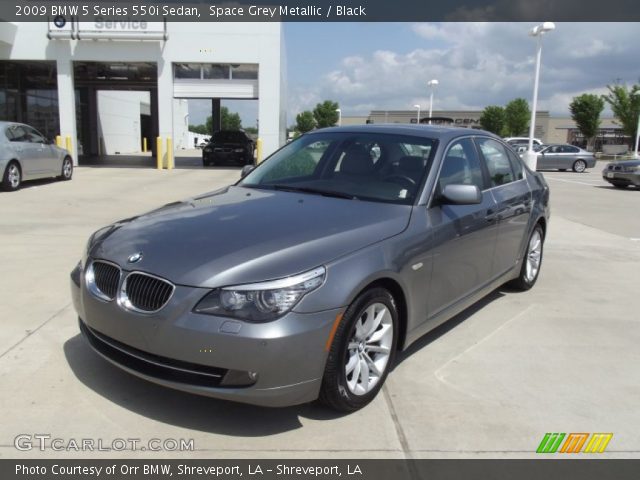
(229, 147)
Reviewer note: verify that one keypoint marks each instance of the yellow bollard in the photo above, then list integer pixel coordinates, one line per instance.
(169, 154)
(144, 144)
(258, 150)
(69, 146)
(59, 141)
(159, 153)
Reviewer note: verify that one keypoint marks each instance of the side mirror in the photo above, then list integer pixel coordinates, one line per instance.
(246, 170)
(459, 194)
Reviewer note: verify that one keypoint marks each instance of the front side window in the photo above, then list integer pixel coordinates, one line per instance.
(497, 161)
(365, 166)
(461, 166)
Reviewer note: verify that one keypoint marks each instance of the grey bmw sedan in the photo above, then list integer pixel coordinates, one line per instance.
(304, 279)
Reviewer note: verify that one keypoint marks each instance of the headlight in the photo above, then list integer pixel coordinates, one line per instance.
(207, 149)
(239, 150)
(261, 302)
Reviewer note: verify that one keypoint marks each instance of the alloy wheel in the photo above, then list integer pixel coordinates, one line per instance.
(14, 176)
(534, 255)
(369, 349)
(67, 168)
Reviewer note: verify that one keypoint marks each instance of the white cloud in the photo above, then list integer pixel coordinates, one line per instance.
(480, 64)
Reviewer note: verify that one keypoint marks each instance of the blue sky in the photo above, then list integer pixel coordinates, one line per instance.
(365, 66)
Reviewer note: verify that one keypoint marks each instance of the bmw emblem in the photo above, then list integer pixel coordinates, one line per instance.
(59, 21)
(135, 258)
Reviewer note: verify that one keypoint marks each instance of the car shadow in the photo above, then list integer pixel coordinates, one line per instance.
(611, 187)
(183, 409)
(41, 182)
(450, 324)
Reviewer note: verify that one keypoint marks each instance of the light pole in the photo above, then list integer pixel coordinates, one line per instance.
(531, 157)
(418, 117)
(635, 150)
(339, 116)
(432, 84)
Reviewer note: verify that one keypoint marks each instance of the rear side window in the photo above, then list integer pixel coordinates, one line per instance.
(497, 161)
(461, 166)
(516, 165)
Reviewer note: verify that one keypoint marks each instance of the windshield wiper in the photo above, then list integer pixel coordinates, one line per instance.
(314, 191)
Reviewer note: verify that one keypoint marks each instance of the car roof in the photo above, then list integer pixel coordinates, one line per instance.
(428, 131)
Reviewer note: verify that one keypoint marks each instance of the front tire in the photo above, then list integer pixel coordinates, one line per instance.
(67, 169)
(531, 262)
(12, 177)
(579, 166)
(362, 352)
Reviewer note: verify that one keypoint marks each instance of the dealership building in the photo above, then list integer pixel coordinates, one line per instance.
(107, 86)
(549, 129)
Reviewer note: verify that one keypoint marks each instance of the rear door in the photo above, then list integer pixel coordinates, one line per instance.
(45, 163)
(464, 236)
(513, 201)
(548, 158)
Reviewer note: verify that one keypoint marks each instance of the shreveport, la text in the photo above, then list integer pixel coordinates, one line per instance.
(167, 470)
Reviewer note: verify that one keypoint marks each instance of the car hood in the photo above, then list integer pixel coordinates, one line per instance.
(626, 163)
(241, 235)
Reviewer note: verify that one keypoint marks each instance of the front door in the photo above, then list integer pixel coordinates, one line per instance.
(464, 236)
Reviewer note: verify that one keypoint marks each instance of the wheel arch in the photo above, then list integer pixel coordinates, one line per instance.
(398, 294)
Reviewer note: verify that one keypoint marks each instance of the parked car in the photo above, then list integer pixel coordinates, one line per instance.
(305, 278)
(229, 147)
(564, 157)
(525, 140)
(521, 148)
(26, 154)
(622, 174)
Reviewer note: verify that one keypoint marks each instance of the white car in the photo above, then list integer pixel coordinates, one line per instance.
(26, 154)
(512, 140)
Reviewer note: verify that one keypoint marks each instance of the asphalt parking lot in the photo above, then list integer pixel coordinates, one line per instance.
(562, 357)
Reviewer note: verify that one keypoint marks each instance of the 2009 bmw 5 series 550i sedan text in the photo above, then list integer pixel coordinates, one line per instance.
(306, 277)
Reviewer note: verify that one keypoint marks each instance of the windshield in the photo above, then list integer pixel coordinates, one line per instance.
(229, 137)
(374, 167)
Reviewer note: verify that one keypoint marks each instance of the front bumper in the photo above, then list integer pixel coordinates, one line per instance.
(195, 353)
(238, 158)
(623, 178)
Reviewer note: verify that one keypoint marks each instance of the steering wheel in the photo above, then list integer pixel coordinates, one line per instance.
(404, 181)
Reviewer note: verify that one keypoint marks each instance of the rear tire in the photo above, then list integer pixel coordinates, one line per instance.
(362, 352)
(12, 177)
(531, 262)
(67, 169)
(579, 166)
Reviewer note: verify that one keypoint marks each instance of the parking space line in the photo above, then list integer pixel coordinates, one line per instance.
(575, 181)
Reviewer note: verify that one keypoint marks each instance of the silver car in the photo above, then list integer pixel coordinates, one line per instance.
(305, 278)
(565, 157)
(26, 154)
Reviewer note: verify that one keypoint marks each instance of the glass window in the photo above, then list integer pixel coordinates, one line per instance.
(187, 70)
(244, 72)
(497, 161)
(19, 134)
(35, 136)
(216, 71)
(461, 166)
(516, 165)
(364, 166)
(569, 149)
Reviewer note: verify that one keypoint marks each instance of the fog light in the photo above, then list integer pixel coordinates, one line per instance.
(239, 378)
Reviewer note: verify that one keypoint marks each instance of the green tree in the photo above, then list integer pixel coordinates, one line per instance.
(202, 129)
(229, 121)
(517, 116)
(493, 119)
(625, 104)
(585, 111)
(325, 114)
(305, 122)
